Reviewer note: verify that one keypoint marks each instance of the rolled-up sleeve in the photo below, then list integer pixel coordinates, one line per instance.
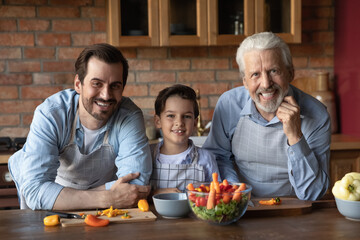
(34, 167)
(133, 151)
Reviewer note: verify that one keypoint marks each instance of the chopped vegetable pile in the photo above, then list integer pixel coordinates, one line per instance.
(220, 202)
(273, 201)
(111, 212)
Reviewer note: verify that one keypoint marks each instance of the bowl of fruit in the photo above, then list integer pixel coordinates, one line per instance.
(347, 196)
(218, 203)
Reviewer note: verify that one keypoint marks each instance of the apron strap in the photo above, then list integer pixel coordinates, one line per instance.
(73, 127)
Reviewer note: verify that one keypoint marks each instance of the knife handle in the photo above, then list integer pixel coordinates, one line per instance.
(62, 215)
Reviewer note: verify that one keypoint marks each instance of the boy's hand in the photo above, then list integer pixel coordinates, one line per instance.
(289, 114)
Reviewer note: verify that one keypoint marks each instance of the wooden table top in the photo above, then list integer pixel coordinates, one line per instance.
(320, 223)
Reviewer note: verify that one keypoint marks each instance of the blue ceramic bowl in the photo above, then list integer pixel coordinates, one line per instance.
(171, 205)
(349, 209)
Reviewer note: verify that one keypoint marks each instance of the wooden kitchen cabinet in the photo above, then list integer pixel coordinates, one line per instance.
(344, 156)
(182, 23)
(132, 23)
(229, 22)
(282, 17)
(135, 23)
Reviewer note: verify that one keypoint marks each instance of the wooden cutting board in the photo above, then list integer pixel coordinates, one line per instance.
(135, 213)
(288, 207)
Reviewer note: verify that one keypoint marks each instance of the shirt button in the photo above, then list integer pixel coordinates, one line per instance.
(78, 139)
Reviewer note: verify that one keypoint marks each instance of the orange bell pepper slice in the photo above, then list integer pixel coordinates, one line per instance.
(273, 201)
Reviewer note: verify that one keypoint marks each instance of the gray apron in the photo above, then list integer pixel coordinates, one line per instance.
(261, 157)
(176, 175)
(82, 171)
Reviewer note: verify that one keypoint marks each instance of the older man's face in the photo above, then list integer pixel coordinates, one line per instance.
(267, 79)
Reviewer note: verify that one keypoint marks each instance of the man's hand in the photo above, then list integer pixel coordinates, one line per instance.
(121, 195)
(289, 114)
(124, 194)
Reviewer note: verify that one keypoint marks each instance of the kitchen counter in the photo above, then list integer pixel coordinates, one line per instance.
(320, 223)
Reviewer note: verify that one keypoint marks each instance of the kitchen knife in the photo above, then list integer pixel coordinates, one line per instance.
(64, 215)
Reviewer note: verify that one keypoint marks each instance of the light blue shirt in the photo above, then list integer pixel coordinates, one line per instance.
(34, 167)
(308, 159)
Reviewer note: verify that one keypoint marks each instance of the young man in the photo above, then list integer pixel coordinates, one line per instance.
(277, 136)
(86, 147)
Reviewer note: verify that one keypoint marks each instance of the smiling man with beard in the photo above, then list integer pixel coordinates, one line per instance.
(87, 147)
(277, 136)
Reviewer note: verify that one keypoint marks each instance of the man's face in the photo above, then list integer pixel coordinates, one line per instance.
(100, 93)
(267, 79)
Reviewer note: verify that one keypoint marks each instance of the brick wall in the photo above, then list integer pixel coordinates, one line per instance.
(40, 40)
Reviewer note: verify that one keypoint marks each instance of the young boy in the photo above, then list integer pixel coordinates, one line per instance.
(177, 161)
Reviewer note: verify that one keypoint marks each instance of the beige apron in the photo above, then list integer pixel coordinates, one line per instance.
(82, 171)
(261, 157)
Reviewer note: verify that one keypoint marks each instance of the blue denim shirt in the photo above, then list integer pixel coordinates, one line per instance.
(34, 167)
(308, 160)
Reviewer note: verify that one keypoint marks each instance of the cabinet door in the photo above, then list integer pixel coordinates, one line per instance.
(182, 23)
(230, 21)
(282, 17)
(133, 23)
(342, 162)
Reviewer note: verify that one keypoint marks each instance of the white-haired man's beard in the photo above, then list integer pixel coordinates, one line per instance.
(273, 105)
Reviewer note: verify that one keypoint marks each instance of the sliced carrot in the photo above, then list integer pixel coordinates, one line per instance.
(190, 187)
(215, 177)
(242, 187)
(226, 197)
(216, 182)
(237, 194)
(211, 200)
(225, 182)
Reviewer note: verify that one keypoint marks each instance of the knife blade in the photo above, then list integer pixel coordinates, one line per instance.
(63, 215)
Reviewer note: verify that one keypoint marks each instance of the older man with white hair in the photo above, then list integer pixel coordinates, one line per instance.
(277, 136)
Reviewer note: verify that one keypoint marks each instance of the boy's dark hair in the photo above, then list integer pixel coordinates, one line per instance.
(104, 52)
(180, 90)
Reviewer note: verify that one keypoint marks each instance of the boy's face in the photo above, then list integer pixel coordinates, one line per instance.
(177, 122)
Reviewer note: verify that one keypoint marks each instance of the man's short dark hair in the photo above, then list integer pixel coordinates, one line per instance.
(104, 52)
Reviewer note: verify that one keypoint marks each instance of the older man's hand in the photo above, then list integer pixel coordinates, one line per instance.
(289, 114)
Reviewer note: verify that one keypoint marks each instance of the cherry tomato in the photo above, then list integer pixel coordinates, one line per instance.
(200, 202)
(192, 197)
